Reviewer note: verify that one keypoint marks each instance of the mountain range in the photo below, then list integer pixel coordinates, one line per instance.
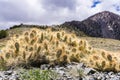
(103, 24)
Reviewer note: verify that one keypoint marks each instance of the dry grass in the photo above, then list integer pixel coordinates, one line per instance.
(11, 32)
(102, 43)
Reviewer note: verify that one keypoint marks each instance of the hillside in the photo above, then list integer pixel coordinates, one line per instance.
(75, 70)
(107, 44)
(104, 24)
(37, 46)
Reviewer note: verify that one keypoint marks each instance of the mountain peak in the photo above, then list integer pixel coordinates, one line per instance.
(105, 16)
(105, 12)
(103, 24)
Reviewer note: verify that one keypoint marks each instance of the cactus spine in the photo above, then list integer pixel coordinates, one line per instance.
(58, 47)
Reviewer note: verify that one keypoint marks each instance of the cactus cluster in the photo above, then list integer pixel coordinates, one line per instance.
(38, 46)
(104, 60)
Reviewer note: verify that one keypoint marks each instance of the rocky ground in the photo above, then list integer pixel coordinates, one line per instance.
(72, 71)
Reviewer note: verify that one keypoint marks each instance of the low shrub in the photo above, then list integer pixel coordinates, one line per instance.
(3, 34)
(37, 74)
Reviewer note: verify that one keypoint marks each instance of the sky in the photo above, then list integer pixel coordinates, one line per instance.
(50, 12)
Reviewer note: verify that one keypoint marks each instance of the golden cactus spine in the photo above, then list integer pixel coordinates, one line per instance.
(58, 47)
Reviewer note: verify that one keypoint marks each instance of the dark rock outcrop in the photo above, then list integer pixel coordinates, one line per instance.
(104, 24)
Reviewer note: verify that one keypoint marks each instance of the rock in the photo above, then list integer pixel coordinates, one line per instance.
(61, 68)
(115, 78)
(110, 73)
(118, 74)
(89, 71)
(44, 67)
(8, 72)
(99, 77)
(9, 75)
(61, 72)
(74, 71)
(80, 65)
(13, 78)
(112, 76)
(107, 76)
(90, 78)
(71, 72)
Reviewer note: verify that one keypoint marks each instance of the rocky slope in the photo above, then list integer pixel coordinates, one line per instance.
(104, 24)
(74, 71)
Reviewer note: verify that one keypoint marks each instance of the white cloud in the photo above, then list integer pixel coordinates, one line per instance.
(84, 8)
(109, 5)
(50, 11)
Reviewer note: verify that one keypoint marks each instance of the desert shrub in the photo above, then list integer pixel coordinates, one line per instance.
(37, 74)
(81, 73)
(3, 34)
(16, 26)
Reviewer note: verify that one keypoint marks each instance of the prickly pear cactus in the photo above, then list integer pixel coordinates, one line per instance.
(38, 46)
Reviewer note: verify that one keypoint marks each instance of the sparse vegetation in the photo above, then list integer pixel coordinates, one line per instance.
(37, 74)
(81, 73)
(102, 43)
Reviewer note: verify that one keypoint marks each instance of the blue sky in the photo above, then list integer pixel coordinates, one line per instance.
(48, 12)
(95, 3)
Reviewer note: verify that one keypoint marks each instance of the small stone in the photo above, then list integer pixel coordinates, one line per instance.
(74, 71)
(69, 78)
(13, 78)
(61, 72)
(69, 66)
(99, 77)
(118, 74)
(1, 78)
(89, 71)
(91, 78)
(8, 72)
(103, 78)
(110, 73)
(106, 76)
(43, 67)
(112, 76)
(61, 68)
(80, 65)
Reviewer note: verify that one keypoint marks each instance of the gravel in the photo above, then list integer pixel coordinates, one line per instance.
(73, 71)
